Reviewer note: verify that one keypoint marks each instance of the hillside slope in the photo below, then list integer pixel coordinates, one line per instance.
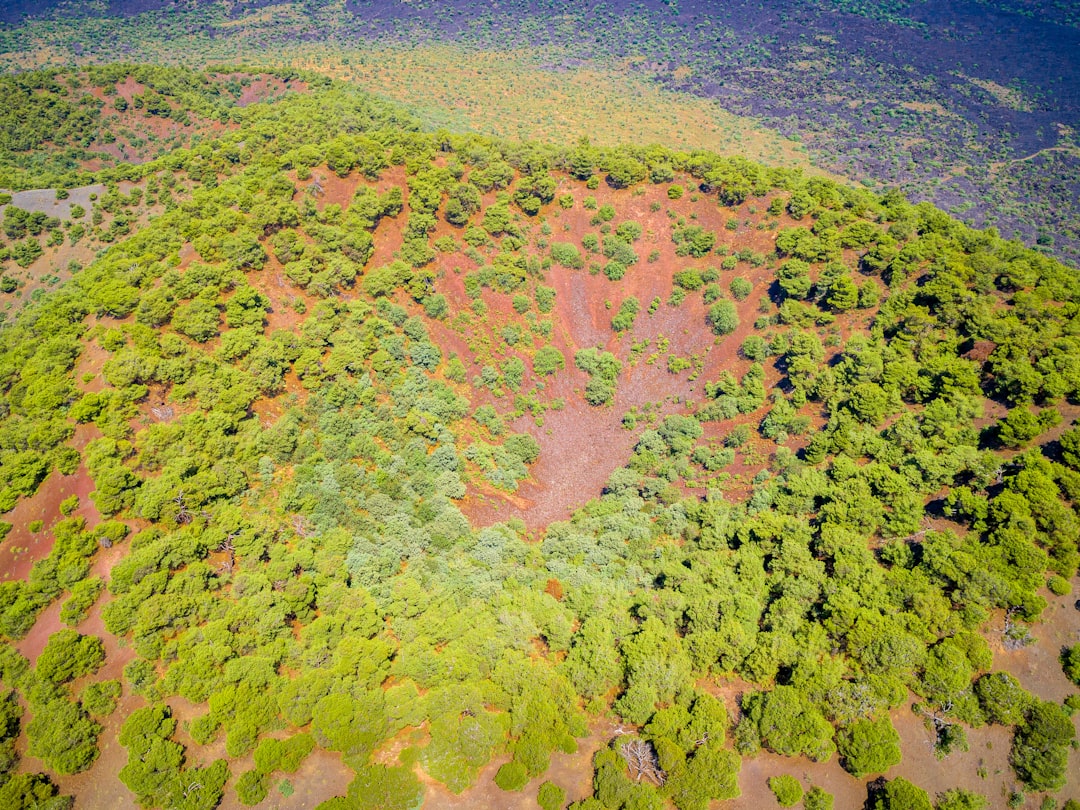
(380, 467)
(973, 105)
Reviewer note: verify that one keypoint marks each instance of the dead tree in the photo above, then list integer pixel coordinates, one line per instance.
(183, 514)
(941, 729)
(1017, 636)
(226, 545)
(300, 526)
(641, 760)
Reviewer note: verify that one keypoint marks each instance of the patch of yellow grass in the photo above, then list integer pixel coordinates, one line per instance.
(510, 94)
(1004, 96)
(520, 95)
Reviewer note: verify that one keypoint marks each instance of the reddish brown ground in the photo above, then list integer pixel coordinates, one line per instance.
(263, 87)
(582, 445)
(989, 749)
(99, 786)
(572, 772)
(54, 265)
(1035, 666)
(22, 548)
(142, 137)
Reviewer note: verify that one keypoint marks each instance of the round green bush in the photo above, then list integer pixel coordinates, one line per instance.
(551, 796)
(818, 799)
(787, 790)
(740, 288)
(723, 317)
(512, 776)
(1058, 585)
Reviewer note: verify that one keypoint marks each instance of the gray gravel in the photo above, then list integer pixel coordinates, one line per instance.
(44, 199)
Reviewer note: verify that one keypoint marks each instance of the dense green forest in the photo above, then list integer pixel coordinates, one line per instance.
(333, 332)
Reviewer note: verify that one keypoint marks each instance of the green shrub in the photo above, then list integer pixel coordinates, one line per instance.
(1040, 749)
(1018, 427)
(63, 735)
(624, 318)
(83, 596)
(629, 231)
(688, 280)
(547, 361)
(1058, 585)
(740, 288)
(787, 790)
(100, 698)
(868, 746)
(1070, 663)
(567, 255)
(512, 776)
(252, 787)
(614, 270)
(545, 299)
(26, 791)
(380, 787)
(960, 799)
(693, 240)
(283, 755)
(551, 796)
(900, 794)
(1002, 699)
(754, 348)
(69, 655)
(723, 317)
(603, 369)
(817, 799)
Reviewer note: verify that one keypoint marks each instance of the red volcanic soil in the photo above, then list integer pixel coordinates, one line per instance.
(984, 768)
(261, 87)
(22, 548)
(100, 786)
(582, 445)
(141, 137)
(989, 749)
(320, 777)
